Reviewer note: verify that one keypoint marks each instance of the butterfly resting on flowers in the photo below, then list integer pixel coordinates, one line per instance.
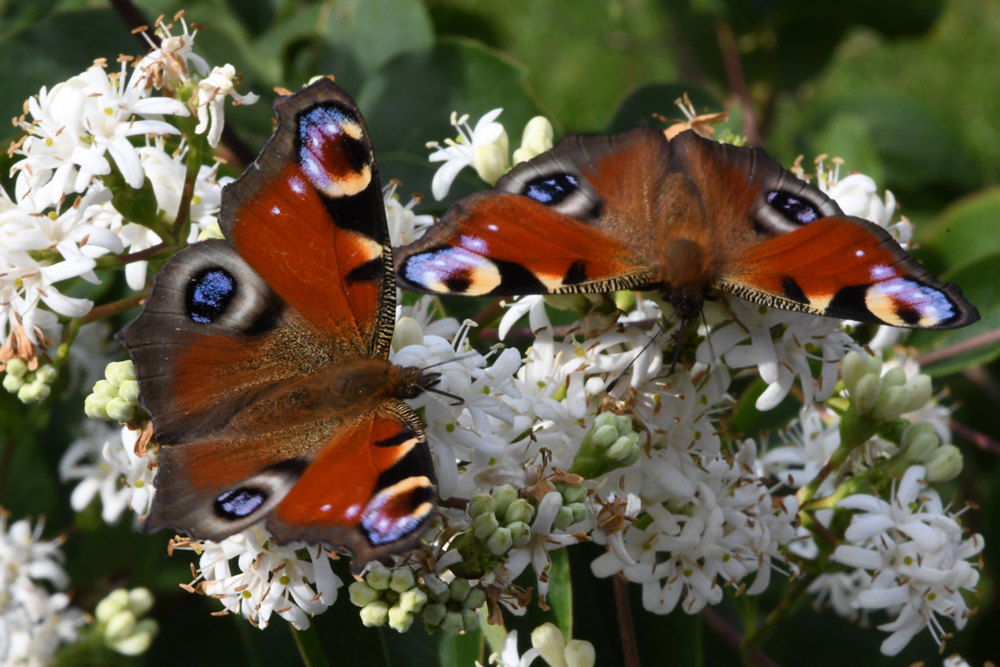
(263, 358)
(638, 211)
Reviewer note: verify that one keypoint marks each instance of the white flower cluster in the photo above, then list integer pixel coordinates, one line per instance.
(34, 621)
(79, 140)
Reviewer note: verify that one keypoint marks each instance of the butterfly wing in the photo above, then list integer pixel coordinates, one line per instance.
(245, 346)
(570, 220)
(790, 246)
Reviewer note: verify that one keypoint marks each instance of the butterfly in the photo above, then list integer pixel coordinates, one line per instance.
(638, 211)
(263, 358)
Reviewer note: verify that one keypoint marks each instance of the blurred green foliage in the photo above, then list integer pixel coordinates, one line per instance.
(904, 90)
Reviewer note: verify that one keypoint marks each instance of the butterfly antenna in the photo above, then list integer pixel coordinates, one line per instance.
(458, 399)
(460, 357)
(711, 349)
(677, 347)
(662, 328)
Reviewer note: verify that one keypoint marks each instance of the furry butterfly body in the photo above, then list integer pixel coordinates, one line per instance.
(262, 358)
(636, 210)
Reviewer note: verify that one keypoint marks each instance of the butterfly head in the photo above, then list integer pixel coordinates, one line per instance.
(687, 269)
(415, 381)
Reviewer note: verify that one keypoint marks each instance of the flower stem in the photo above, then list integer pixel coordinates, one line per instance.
(112, 309)
(751, 641)
(731, 636)
(309, 647)
(630, 650)
(855, 430)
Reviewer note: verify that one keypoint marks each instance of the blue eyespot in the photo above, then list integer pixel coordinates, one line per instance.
(793, 208)
(553, 189)
(209, 294)
(239, 503)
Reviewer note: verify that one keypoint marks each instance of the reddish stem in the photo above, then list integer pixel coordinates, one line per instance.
(958, 348)
(731, 636)
(630, 650)
(980, 440)
(737, 81)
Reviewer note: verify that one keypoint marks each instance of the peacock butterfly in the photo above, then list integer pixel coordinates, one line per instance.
(263, 358)
(636, 210)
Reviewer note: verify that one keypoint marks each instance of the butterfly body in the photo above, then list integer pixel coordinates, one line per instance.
(263, 358)
(636, 210)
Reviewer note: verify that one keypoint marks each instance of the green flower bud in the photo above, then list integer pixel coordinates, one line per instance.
(94, 406)
(115, 602)
(375, 613)
(895, 377)
(120, 625)
(400, 620)
(413, 600)
(564, 518)
(482, 503)
(866, 393)
(443, 596)
(46, 374)
(378, 577)
(407, 332)
(17, 367)
(452, 623)
(140, 601)
(434, 613)
(945, 465)
(621, 450)
(604, 437)
(35, 392)
(919, 442)
(476, 599)
(500, 541)
(520, 533)
(852, 368)
(632, 459)
(484, 525)
(504, 495)
(579, 511)
(119, 409)
(402, 580)
(874, 364)
(519, 510)
(129, 392)
(891, 403)
(603, 419)
(470, 620)
(623, 424)
(574, 494)
(362, 594)
(12, 383)
(459, 589)
(119, 371)
(105, 388)
(580, 653)
(139, 641)
(550, 639)
(919, 392)
(490, 162)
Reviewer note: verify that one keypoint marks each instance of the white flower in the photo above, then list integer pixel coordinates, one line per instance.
(918, 557)
(509, 656)
(486, 144)
(270, 579)
(106, 463)
(404, 226)
(543, 540)
(212, 93)
(166, 66)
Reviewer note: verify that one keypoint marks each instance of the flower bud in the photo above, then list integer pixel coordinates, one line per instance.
(580, 653)
(407, 332)
(105, 388)
(17, 367)
(434, 613)
(115, 602)
(895, 377)
(400, 620)
(919, 392)
(476, 599)
(890, 404)
(129, 392)
(119, 410)
(535, 140)
(574, 494)
(550, 639)
(139, 641)
(945, 464)
(444, 595)
(402, 580)
(378, 577)
(564, 518)
(621, 450)
(46, 374)
(459, 589)
(212, 231)
(94, 406)
(452, 623)
(470, 620)
(140, 601)
(375, 613)
(874, 364)
(579, 511)
(866, 393)
(520, 533)
(35, 392)
(489, 162)
(482, 503)
(413, 600)
(504, 495)
(604, 437)
(118, 372)
(919, 442)
(623, 424)
(120, 625)
(362, 594)
(603, 419)
(852, 368)
(484, 525)
(12, 383)
(519, 510)
(500, 541)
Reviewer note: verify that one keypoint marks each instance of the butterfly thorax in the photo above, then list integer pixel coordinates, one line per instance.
(688, 269)
(357, 382)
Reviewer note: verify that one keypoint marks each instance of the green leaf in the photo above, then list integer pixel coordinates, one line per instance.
(309, 646)
(375, 31)
(980, 283)
(963, 232)
(560, 596)
(463, 649)
(847, 135)
(638, 106)
(750, 421)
